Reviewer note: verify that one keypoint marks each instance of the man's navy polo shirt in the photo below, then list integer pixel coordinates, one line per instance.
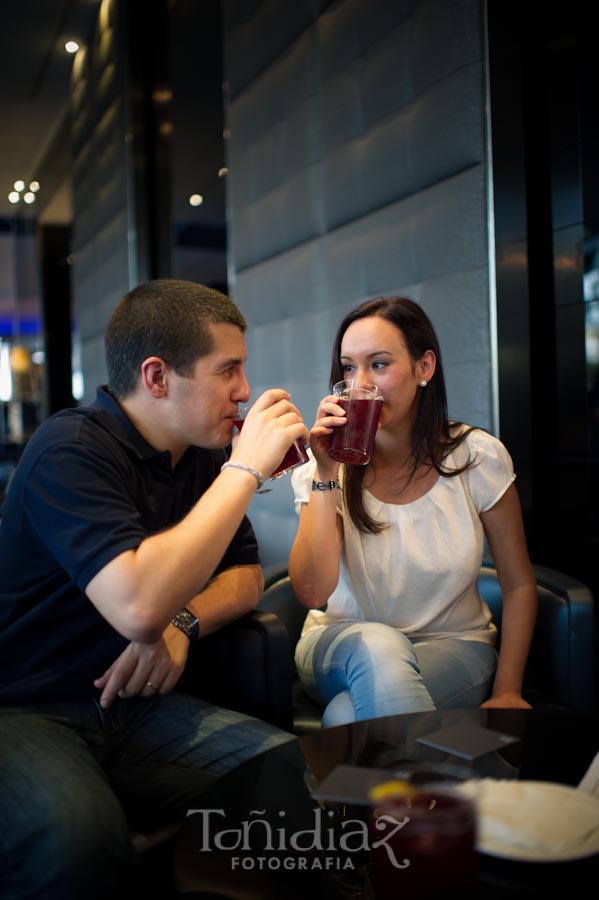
(87, 487)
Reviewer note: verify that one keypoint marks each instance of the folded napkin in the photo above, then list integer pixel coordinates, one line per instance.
(534, 820)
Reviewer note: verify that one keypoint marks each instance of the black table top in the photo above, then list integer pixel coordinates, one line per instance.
(261, 834)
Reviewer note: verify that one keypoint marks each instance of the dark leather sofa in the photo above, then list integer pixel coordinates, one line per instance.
(562, 664)
(246, 666)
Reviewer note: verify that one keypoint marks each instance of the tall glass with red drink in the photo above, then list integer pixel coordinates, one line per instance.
(353, 443)
(297, 454)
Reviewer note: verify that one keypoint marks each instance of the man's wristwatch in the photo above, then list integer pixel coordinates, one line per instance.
(186, 622)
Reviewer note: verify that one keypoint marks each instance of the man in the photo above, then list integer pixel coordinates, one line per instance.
(121, 541)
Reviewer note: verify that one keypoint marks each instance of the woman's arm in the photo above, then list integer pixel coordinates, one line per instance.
(316, 552)
(505, 533)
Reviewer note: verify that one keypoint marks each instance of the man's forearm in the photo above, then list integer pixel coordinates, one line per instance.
(139, 591)
(227, 597)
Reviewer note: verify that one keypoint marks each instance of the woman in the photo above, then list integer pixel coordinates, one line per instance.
(395, 553)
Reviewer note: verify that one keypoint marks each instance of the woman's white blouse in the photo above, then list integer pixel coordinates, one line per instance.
(420, 574)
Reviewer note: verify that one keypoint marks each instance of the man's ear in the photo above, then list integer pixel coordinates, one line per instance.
(154, 377)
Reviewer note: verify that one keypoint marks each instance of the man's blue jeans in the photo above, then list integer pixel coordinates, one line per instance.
(68, 768)
(362, 670)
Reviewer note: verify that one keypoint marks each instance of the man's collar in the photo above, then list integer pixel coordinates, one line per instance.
(110, 413)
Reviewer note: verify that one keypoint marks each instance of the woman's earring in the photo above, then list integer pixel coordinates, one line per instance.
(423, 383)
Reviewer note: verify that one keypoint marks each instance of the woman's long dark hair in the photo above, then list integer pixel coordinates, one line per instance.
(432, 438)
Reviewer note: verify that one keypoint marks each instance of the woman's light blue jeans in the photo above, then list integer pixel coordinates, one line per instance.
(67, 769)
(362, 670)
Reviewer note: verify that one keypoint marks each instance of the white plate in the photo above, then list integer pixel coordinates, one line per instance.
(534, 821)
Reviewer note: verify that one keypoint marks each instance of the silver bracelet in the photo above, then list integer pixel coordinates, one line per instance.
(232, 464)
(325, 485)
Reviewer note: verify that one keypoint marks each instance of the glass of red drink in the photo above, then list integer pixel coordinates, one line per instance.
(295, 456)
(352, 443)
(423, 842)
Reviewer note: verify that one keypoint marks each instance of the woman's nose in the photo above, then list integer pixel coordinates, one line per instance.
(361, 378)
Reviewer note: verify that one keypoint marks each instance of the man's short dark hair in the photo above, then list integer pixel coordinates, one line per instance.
(166, 318)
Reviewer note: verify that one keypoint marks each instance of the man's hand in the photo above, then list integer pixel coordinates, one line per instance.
(143, 670)
(269, 429)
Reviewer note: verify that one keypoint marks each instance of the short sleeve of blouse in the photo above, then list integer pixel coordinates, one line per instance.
(492, 472)
(301, 482)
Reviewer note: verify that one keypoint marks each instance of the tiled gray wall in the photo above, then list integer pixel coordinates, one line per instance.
(103, 232)
(357, 168)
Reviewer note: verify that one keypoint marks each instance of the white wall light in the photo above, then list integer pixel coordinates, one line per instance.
(5, 372)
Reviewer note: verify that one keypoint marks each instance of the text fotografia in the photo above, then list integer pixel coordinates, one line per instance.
(350, 836)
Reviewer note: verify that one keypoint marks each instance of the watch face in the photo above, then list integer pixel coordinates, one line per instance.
(187, 622)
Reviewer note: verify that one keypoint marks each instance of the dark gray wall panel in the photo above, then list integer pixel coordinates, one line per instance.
(357, 167)
(102, 224)
(282, 218)
(259, 32)
(282, 286)
(401, 155)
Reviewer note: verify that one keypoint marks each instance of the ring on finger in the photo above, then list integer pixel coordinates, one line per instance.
(151, 684)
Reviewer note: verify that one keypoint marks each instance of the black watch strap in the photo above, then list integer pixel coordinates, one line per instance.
(186, 622)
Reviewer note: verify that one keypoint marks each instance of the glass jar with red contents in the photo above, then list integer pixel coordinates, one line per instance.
(422, 841)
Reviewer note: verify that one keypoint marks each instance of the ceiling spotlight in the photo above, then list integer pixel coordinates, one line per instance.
(29, 197)
(196, 200)
(14, 197)
(222, 172)
(19, 185)
(34, 186)
(71, 46)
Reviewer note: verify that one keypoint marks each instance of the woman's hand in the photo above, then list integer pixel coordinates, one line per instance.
(330, 415)
(271, 426)
(507, 700)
